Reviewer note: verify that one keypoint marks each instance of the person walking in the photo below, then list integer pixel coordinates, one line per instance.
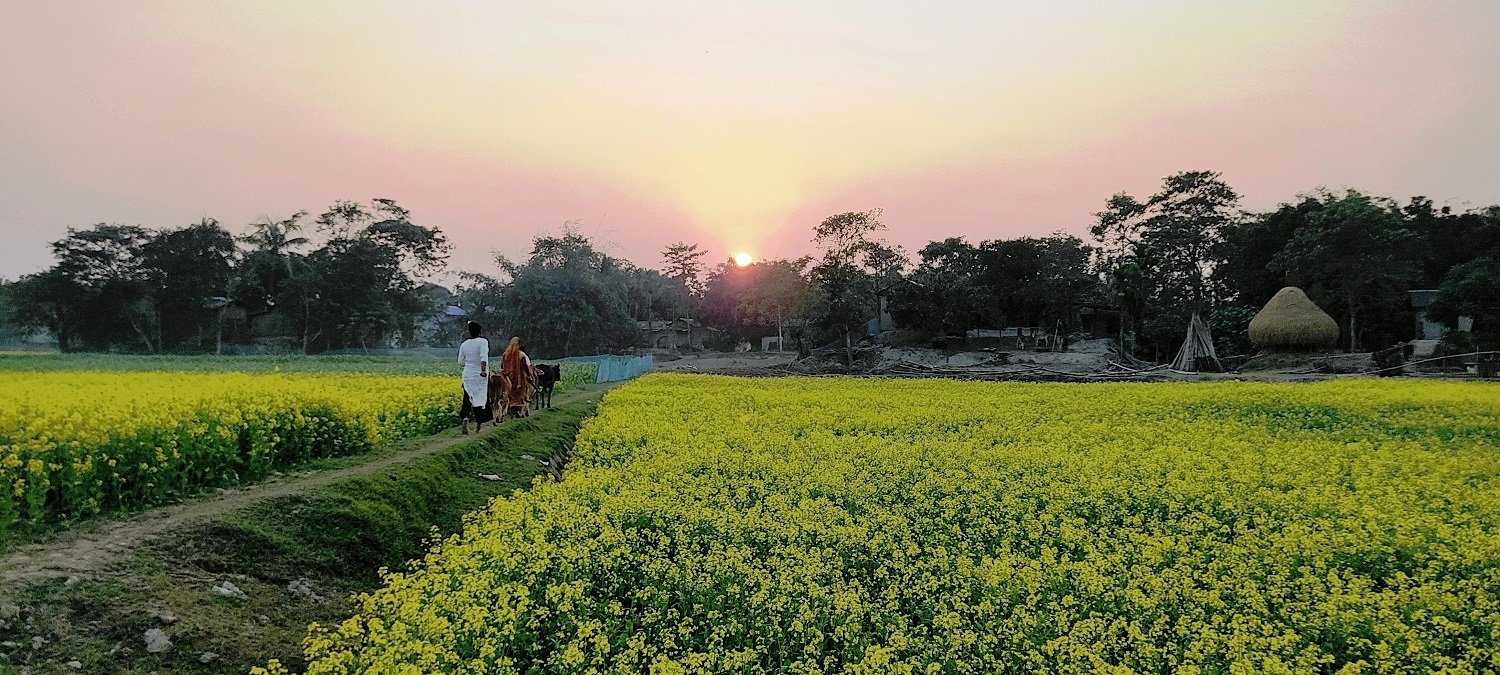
(474, 359)
(514, 366)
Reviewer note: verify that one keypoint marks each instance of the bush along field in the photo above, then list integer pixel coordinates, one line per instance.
(714, 524)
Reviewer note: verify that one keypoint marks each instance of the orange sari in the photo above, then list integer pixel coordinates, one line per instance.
(519, 381)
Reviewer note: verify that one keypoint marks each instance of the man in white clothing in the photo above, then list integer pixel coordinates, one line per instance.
(474, 359)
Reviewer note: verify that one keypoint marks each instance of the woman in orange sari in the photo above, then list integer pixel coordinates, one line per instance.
(514, 365)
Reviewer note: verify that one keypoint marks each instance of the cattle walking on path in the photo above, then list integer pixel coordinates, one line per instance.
(547, 376)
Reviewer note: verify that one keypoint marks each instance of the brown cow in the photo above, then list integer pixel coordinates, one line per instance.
(499, 384)
(503, 392)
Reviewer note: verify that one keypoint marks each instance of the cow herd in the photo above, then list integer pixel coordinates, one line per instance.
(515, 397)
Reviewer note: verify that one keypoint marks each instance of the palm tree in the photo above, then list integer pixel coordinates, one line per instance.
(274, 240)
(272, 236)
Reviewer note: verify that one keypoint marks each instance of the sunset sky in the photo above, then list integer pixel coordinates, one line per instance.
(737, 125)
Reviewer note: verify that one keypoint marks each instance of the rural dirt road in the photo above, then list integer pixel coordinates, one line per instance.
(93, 546)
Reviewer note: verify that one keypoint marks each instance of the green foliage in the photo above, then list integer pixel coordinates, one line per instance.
(1161, 253)
(1448, 239)
(118, 287)
(1037, 281)
(1351, 257)
(651, 295)
(943, 295)
(568, 298)
(777, 293)
(362, 287)
(186, 270)
(574, 374)
(1354, 255)
(1471, 289)
(683, 263)
(853, 267)
(1245, 271)
(482, 297)
(1230, 325)
(293, 363)
(96, 295)
(269, 266)
(11, 330)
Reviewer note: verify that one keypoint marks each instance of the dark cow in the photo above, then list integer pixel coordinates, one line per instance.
(547, 376)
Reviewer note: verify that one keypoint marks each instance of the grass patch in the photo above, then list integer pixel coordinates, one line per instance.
(335, 537)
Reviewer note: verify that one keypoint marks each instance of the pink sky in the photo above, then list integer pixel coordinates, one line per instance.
(735, 125)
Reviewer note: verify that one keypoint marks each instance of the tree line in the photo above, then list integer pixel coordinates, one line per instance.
(129, 288)
(1187, 249)
(1155, 261)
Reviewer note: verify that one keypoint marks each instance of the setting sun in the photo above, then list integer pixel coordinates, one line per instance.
(743, 259)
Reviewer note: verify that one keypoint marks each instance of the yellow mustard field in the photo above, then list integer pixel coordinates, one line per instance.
(722, 525)
(76, 443)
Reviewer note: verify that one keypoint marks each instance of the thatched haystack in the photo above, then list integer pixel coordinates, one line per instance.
(1291, 321)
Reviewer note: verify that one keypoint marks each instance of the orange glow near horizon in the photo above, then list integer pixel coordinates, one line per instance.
(743, 259)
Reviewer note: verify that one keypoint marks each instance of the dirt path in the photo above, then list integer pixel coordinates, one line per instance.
(93, 546)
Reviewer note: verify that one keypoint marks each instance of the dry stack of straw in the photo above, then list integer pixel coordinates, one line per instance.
(1290, 321)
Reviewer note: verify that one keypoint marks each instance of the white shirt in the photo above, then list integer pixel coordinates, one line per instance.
(472, 353)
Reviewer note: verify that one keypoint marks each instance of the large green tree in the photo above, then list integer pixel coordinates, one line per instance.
(1245, 271)
(96, 297)
(1166, 250)
(363, 287)
(1036, 281)
(185, 270)
(652, 295)
(267, 269)
(854, 264)
(1472, 289)
(683, 263)
(1448, 239)
(944, 294)
(567, 299)
(1352, 258)
(11, 329)
(779, 295)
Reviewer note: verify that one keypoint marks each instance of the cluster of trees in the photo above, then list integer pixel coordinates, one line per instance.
(828, 297)
(1189, 248)
(1356, 255)
(129, 288)
(569, 298)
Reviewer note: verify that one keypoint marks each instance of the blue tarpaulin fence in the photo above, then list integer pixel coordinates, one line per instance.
(616, 368)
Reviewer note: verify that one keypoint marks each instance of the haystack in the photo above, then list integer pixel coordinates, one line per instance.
(1291, 321)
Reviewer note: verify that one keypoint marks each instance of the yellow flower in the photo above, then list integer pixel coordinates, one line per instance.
(877, 526)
